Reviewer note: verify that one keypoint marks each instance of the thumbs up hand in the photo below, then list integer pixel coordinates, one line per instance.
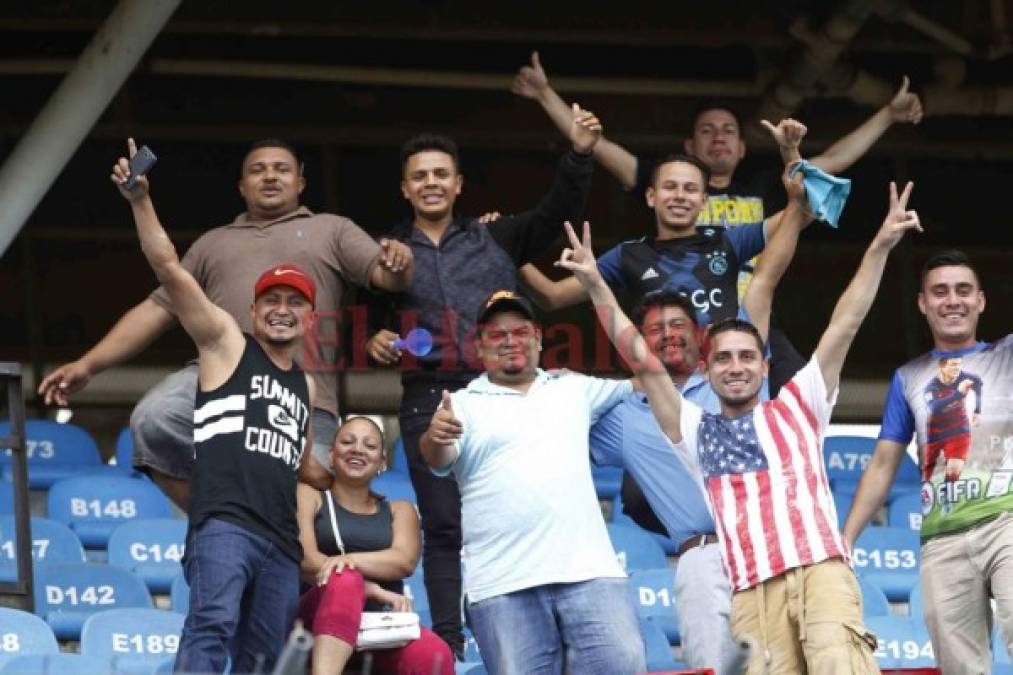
(445, 428)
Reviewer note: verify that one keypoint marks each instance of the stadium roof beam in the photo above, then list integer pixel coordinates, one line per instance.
(74, 107)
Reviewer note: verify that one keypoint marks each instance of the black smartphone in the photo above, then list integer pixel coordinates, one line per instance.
(140, 165)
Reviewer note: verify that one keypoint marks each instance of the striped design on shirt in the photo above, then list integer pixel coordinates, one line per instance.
(219, 416)
(765, 477)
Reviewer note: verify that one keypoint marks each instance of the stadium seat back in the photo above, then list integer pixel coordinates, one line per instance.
(1000, 652)
(52, 542)
(125, 451)
(6, 497)
(179, 595)
(55, 451)
(874, 602)
(55, 664)
(394, 486)
(901, 643)
(906, 511)
(66, 595)
(847, 456)
(635, 548)
(415, 588)
(653, 594)
(22, 633)
(398, 458)
(132, 640)
(890, 557)
(608, 480)
(151, 548)
(657, 651)
(93, 506)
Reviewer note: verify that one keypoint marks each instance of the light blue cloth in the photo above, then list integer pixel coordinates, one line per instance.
(827, 194)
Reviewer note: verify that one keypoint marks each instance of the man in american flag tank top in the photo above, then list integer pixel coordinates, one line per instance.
(760, 464)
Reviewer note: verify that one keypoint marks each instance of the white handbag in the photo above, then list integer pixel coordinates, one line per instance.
(387, 630)
(379, 630)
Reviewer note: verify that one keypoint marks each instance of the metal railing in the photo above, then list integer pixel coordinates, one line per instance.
(16, 441)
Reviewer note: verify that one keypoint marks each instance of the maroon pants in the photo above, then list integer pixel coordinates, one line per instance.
(336, 609)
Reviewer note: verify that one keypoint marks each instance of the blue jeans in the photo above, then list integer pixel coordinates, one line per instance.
(244, 593)
(590, 623)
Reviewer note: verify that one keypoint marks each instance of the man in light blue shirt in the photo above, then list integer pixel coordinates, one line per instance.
(542, 581)
(629, 436)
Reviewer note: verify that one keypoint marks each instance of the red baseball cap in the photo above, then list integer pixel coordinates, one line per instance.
(287, 274)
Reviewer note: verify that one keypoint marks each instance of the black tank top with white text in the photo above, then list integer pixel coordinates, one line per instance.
(249, 436)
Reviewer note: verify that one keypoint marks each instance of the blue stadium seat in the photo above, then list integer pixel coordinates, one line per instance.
(468, 668)
(842, 503)
(1000, 653)
(635, 548)
(394, 486)
(656, 647)
(6, 497)
(654, 597)
(890, 558)
(415, 588)
(55, 451)
(668, 545)
(608, 480)
(398, 458)
(906, 511)
(23, 633)
(55, 664)
(179, 595)
(916, 608)
(93, 506)
(471, 652)
(901, 643)
(125, 452)
(151, 548)
(165, 666)
(52, 542)
(847, 456)
(132, 640)
(66, 595)
(874, 602)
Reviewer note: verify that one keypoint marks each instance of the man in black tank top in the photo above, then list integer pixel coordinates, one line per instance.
(251, 428)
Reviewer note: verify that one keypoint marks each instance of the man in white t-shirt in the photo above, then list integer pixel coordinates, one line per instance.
(761, 467)
(542, 581)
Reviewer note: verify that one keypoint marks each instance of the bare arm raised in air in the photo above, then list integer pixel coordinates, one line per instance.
(666, 402)
(857, 298)
(532, 82)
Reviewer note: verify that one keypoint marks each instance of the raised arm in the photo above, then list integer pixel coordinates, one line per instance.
(532, 82)
(211, 328)
(777, 255)
(788, 135)
(135, 330)
(854, 304)
(551, 295)
(526, 235)
(780, 248)
(904, 107)
(665, 400)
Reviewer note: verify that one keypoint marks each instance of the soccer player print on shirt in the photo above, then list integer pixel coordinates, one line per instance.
(949, 397)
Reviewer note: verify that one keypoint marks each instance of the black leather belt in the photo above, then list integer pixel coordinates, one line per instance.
(698, 540)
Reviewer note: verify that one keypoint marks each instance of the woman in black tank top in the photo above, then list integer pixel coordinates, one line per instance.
(357, 549)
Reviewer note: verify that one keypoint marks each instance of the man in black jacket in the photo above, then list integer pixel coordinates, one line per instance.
(459, 262)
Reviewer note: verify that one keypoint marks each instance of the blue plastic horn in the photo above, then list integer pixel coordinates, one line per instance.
(419, 342)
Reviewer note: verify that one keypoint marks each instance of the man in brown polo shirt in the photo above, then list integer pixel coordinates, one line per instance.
(226, 261)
